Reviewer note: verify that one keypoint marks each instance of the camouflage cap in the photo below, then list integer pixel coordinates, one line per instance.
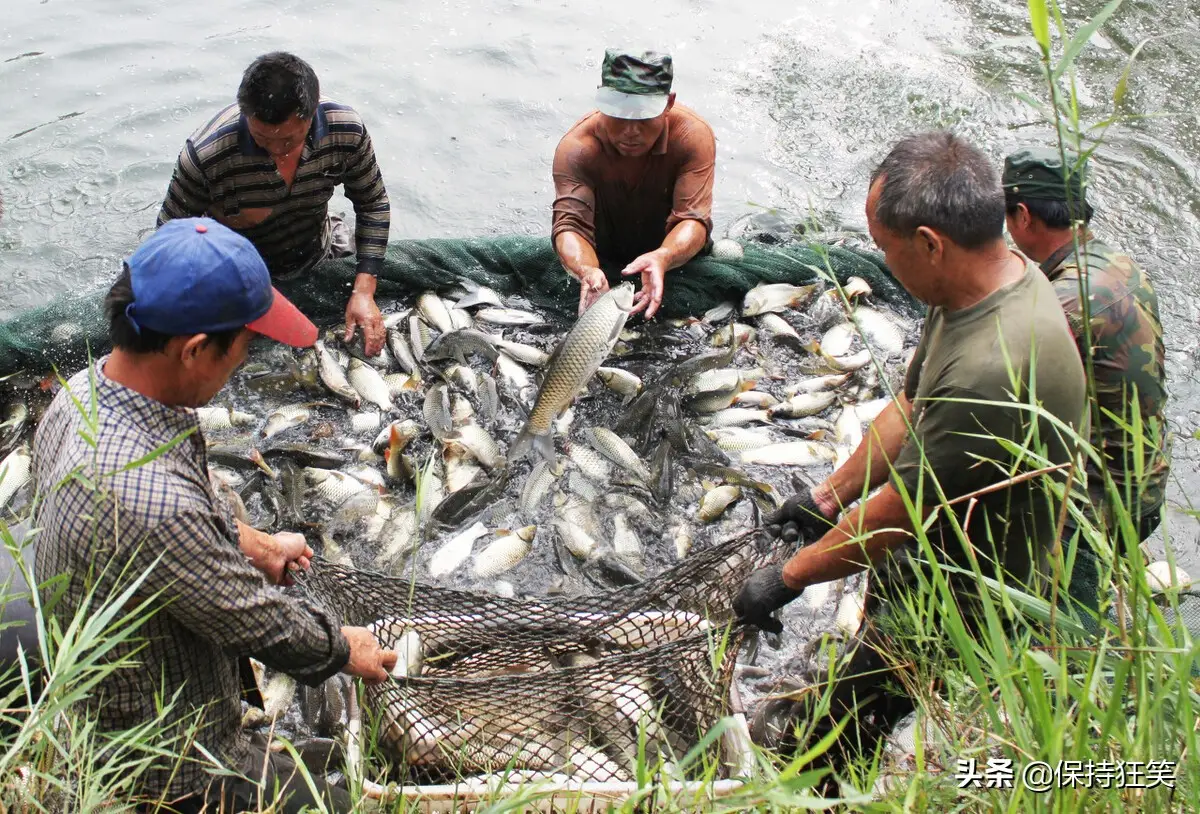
(1038, 173)
(634, 86)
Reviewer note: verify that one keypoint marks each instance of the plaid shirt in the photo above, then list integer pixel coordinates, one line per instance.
(216, 607)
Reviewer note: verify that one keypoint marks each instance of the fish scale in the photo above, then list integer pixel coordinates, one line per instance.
(369, 384)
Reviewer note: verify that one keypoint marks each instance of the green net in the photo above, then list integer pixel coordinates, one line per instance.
(59, 334)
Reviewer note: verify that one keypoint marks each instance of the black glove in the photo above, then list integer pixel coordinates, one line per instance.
(797, 517)
(763, 593)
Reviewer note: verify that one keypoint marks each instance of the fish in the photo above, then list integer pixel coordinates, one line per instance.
(218, 419)
(737, 417)
(401, 350)
(838, 340)
(850, 609)
(419, 336)
(304, 455)
(856, 287)
(613, 447)
(333, 376)
(816, 384)
(400, 536)
(774, 297)
(463, 378)
(405, 430)
(1159, 576)
(489, 396)
(848, 433)
(516, 379)
(681, 540)
(460, 319)
(15, 472)
(852, 362)
(393, 454)
(573, 363)
(739, 439)
(480, 296)
(434, 311)
(662, 482)
(590, 462)
(438, 416)
(525, 354)
(455, 551)
(803, 404)
(727, 250)
(620, 381)
(286, 417)
(755, 399)
(364, 422)
(461, 472)
(879, 330)
(626, 544)
(469, 501)
(460, 344)
(778, 328)
(870, 410)
(369, 385)
(719, 313)
(333, 486)
(504, 553)
(724, 379)
(277, 695)
(478, 443)
(16, 419)
(537, 486)
(575, 539)
(400, 383)
(507, 316)
(716, 501)
(790, 453)
(733, 335)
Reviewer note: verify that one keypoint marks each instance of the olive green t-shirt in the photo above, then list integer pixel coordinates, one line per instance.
(1013, 347)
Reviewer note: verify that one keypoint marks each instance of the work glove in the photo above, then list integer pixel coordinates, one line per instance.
(763, 593)
(798, 517)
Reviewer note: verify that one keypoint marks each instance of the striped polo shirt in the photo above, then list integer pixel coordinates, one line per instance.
(222, 172)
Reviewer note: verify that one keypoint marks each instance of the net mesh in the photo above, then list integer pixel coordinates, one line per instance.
(586, 687)
(60, 333)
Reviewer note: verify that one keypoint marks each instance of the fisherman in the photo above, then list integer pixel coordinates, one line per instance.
(131, 499)
(266, 167)
(936, 209)
(633, 182)
(1048, 217)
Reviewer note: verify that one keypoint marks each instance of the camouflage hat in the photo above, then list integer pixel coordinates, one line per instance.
(634, 86)
(1038, 173)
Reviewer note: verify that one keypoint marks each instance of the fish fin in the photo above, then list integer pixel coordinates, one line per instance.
(526, 440)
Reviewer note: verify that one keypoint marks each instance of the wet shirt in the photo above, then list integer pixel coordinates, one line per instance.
(1128, 361)
(162, 519)
(223, 173)
(623, 206)
(1013, 342)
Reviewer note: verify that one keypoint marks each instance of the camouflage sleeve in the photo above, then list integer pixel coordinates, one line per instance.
(574, 191)
(693, 194)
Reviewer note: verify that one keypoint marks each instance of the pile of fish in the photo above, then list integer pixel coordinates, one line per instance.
(495, 448)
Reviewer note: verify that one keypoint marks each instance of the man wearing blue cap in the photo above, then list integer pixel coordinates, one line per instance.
(182, 314)
(633, 182)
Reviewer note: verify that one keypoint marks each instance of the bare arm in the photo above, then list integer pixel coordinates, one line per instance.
(578, 256)
(871, 461)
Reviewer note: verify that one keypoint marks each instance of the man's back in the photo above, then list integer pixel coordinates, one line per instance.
(1127, 357)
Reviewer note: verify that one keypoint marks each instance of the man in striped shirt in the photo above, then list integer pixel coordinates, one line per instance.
(266, 167)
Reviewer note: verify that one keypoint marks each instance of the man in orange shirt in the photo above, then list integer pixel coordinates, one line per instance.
(633, 182)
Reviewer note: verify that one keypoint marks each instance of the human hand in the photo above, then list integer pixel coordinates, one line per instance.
(368, 660)
(274, 554)
(763, 593)
(362, 312)
(653, 269)
(592, 286)
(799, 516)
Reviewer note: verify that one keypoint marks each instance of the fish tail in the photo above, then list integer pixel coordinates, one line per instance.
(528, 439)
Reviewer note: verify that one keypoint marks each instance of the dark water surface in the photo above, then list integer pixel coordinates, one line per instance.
(465, 102)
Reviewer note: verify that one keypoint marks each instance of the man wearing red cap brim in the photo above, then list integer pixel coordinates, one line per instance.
(126, 495)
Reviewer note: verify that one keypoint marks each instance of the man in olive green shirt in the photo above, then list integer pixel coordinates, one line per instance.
(994, 333)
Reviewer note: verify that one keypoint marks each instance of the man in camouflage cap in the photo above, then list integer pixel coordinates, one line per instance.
(1047, 210)
(633, 182)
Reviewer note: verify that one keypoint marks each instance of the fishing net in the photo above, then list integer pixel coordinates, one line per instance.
(587, 687)
(60, 333)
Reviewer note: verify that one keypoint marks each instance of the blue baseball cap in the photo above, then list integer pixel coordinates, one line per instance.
(194, 276)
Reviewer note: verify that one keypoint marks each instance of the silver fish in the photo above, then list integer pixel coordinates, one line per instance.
(856, 287)
(613, 447)
(369, 385)
(503, 553)
(574, 362)
(803, 404)
(525, 354)
(776, 326)
(16, 418)
(464, 377)
(14, 474)
(333, 376)
(849, 434)
(516, 379)
(400, 383)
(419, 336)
(719, 312)
(880, 330)
(817, 384)
(217, 419)
(537, 486)
(591, 463)
(724, 378)
(286, 417)
(507, 316)
(852, 362)
(489, 396)
(400, 537)
(460, 319)
(755, 399)
(620, 381)
(734, 334)
(364, 422)
(434, 310)
(774, 297)
(575, 539)
(480, 296)
(625, 541)
(461, 470)
(838, 340)
(398, 345)
(791, 453)
(455, 551)
(850, 609)
(459, 344)
(736, 417)
(739, 439)
(716, 501)
(334, 487)
(478, 443)
(438, 416)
